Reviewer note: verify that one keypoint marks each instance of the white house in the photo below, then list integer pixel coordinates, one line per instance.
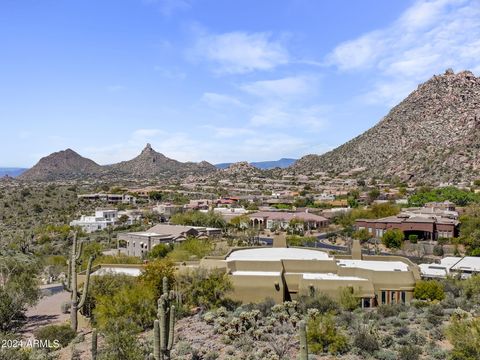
(102, 219)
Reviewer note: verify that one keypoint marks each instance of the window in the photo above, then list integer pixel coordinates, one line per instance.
(403, 297)
(384, 297)
(393, 297)
(366, 303)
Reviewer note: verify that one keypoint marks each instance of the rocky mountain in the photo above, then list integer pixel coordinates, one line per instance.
(66, 164)
(153, 164)
(432, 136)
(264, 165)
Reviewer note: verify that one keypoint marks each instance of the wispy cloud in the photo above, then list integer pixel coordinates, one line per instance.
(220, 100)
(285, 87)
(116, 88)
(169, 7)
(427, 38)
(280, 116)
(240, 52)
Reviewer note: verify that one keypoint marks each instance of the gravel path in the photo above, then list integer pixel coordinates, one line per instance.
(47, 311)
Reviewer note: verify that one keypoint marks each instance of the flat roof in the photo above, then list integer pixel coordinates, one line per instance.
(433, 270)
(115, 270)
(277, 254)
(374, 265)
(330, 276)
(470, 263)
(256, 273)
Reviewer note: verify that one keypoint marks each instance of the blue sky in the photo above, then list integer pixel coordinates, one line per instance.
(219, 80)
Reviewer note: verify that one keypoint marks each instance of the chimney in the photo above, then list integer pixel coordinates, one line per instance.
(356, 250)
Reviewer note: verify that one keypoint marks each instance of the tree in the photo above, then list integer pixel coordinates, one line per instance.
(240, 222)
(373, 194)
(154, 272)
(204, 288)
(393, 238)
(363, 235)
(159, 251)
(429, 290)
(18, 288)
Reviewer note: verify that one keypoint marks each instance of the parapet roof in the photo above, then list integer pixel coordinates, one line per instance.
(277, 254)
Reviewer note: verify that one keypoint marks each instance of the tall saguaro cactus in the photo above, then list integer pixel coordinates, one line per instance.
(71, 286)
(164, 326)
(93, 348)
(303, 341)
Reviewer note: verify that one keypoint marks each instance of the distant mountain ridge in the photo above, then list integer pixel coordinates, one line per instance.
(264, 165)
(11, 171)
(69, 165)
(433, 135)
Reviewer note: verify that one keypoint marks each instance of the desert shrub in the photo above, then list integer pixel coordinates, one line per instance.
(348, 300)
(409, 352)
(416, 338)
(429, 290)
(471, 287)
(434, 314)
(393, 238)
(106, 285)
(389, 310)
(159, 251)
(464, 335)
(190, 249)
(130, 307)
(438, 250)
(413, 238)
(323, 336)
(18, 289)
(122, 344)
(204, 288)
(384, 354)
(366, 340)
(62, 334)
(320, 301)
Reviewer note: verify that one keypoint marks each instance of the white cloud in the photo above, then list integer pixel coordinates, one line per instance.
(116, 88)
(168, 7)
(220, 100)
(279, 116)
(173, 74)
(285, 87)
(429, 37)
(241, 52)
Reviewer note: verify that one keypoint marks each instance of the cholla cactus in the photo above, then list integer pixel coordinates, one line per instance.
(71, 286)
(164, 326)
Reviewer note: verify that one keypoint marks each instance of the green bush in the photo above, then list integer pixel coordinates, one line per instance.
(429, 290)
(366, 340)
(348, 300)
(464, 335)
(413, 238)
(409, 352)
(153, 274)
(323, 336)
(159, 251)
(191, 249)
(393, 238)
(61, 334)
(204, 288)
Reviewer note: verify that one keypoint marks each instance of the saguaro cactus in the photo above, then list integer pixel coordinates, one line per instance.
(93, 349)
(303, 341)
(72, 282)
(164, 326)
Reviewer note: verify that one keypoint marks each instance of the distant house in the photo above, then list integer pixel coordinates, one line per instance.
(102, 219)
(427, 223)
(139, 243)
(451, 265)
(281, 220)
(168, 209)
(110, 198)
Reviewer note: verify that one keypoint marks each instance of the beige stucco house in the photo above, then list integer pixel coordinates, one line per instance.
(285, 273)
